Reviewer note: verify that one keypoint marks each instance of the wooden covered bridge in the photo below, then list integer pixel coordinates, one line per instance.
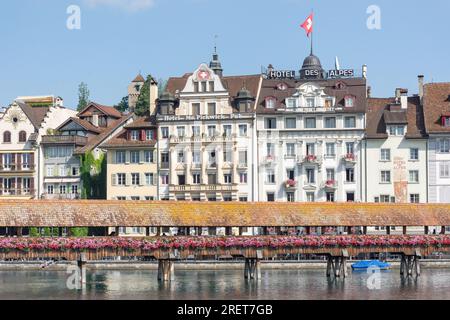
(101, 216)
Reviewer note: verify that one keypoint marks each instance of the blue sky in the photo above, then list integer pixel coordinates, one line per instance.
(119, 38)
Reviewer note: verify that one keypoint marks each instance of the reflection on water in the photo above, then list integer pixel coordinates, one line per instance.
(226, 284)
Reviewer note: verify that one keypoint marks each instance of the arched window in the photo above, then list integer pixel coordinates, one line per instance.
(22, 136)
(7, 137)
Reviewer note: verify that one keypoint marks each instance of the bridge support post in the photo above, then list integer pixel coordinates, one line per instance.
(166, 270)
(199, 231)
(405, 230)
(410, 265)
(443, 230)
(252, 269)
(228, 231)
(147, 231)
(364, 230)
(337, 265)
(212, 231)
(81, 263)
(427, 230)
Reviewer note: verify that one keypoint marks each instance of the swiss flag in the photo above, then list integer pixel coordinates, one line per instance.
(308, 25)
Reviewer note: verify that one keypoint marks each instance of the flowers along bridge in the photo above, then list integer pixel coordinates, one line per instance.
(102, 216)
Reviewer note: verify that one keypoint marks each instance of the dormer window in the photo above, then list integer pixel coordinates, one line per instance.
(270, 102)
(195, 86)
(291, 103)
(446, 121)
(211, 86)
(328, 102)
(149, 135)
(134, 135)
(397, 130)
(310, 102)
(243, 106)
(349, 101)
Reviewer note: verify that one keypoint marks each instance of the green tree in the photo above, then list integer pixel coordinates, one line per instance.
(143, 103)
(122, 106)
(83, 96)
(93, 176)
(162, 85)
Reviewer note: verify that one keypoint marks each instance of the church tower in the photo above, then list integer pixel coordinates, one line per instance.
(134, 90)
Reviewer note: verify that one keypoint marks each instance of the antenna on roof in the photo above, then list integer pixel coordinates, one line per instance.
(336, 64)
(215, 43)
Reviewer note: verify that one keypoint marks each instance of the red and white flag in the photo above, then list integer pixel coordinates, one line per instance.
(308, 25)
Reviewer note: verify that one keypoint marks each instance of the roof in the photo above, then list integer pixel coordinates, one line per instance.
(352, 86)
(35, 114)
(120, 141)
(97, 140)
(83, 123)
(142, 122)
(380, 113)
(233, 84)
(139, 78)
(97, 213)
(107, 110)
(436, 102)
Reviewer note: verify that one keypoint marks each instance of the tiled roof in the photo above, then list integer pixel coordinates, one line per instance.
(97, 140)
(83, 123)
(110, 111)
(139, 78)
(436, 103)
(354, 86)
(35, 114)
(142, 122)
(72, 213)
(120, 140)
(379, 110)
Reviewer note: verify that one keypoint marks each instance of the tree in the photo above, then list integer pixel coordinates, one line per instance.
(83, 96)
(162, 85)
(143, 103)
(122, 106)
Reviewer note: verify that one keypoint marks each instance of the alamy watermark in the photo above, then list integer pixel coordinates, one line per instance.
(74, 19)
(374, 19)
(374, 280)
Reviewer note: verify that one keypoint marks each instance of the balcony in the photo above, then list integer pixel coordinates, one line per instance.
(196, 166)
(330, 185)
(311, 159)
(15, 167)
(164, 165)
(349, 158)
(61, 196)
(5, 192)
(269, 160)
(203, 188)
(242, 166)
(64, 139)
(290, 185)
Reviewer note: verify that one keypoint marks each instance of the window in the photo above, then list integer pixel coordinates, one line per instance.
(243, 177)
(49, 171)
(121, 198)
(385, 155)
(135, 198)
(149, 179)
(330, 175)
(196, 178)
(227, 197)
(349, 122)
(270, 197)
(62, 171)
(203, 86)
(290, 196)
(310, 102)
(195, 86)
(50, 189)
(270, 177)
(227, 156)
(290, 123)
(164, 179)
(328, 102)
(149, 198)
(196, 157)
(290, 174)
(227, 178)
(6, 137)
(310, 149)
(244, 106)
(212, 158)
(134, 155)
(330, 196)
(180, 157)
(397, 130)
(444, 146)
(227, 130)
(330, 150)
(290, 149)
(330, 123)
(310, 123)
(310, 197)
(212, 178)
(165, 158)
(120, 156)
(149, 135)
(350, 147)
(121, 179)
(62, 189)
(414, 198)
(74, 189)
(211, 131)
(211, 86)
(148, 156)
(414, 154)
(350, 197)
(134, 135)
(350, 175)
(196, 109)
(243, 157)
(444, 170)
(243, 198)
(413, 176)
(291, 103)
(310, 176)
(385, 176)
(270, 149)
(270, 103)
(242, 130)
(22, 136)
(211, 109)
(26, 160)
(181, 180)
(181, 132)
(271, 123)
(165, 132)
(349, 101)
(196, 131)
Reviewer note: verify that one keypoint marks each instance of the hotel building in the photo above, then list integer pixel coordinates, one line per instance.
(310, 130)
(207, 137)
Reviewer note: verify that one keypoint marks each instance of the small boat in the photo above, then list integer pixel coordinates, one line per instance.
(364, 265)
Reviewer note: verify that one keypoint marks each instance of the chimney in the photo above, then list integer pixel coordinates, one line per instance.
(420, 78)
(404, 98)
(397, 95)
(364, 71)
(369, 92)
(95, 120)
(153, 96)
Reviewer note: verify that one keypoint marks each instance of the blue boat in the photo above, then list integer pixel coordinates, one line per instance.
(364, 265)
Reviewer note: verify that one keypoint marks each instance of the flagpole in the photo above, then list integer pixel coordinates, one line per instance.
(312, 31)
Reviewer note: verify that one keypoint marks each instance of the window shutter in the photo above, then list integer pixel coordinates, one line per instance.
(1, 185)
(13, 185)
(13, 161)
(127, 179)
(19, 162)
(114, 179)
(19, 185)
(142, 135)
(1, 161)
(127, 157)
(141, 179)
(31, 161)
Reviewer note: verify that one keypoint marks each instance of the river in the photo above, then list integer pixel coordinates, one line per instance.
(226, 284)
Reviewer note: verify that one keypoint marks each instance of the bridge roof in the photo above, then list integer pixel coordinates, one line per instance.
(72, 213)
